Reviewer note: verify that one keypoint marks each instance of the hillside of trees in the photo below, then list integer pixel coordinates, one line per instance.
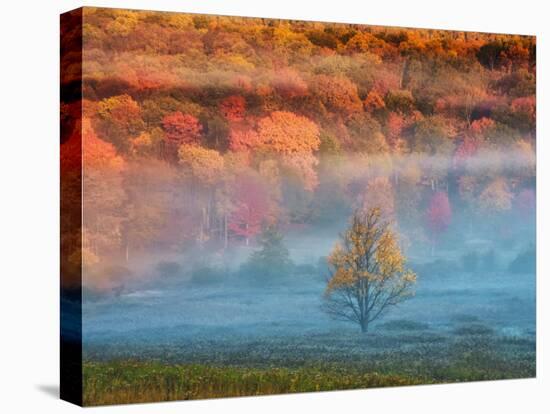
(199, 131)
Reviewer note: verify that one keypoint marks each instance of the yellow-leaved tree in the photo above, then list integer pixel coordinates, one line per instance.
(368, 272)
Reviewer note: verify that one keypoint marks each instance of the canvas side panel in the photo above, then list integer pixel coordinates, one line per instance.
(71, 206)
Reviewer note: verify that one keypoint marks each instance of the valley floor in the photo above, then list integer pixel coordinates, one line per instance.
(396, 354)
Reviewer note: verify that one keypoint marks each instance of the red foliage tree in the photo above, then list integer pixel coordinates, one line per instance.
(243, 138)
(233, 108)
(251, 207)
(438, 216)
(181, 128)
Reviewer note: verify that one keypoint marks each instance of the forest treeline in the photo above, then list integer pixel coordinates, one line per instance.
(198, 131)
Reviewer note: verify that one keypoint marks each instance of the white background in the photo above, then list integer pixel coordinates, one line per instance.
(29, 219)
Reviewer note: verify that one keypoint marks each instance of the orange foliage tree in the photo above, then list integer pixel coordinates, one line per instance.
(368, 273)
(288, 133)
(294, 137)
(338, 94)
(180, 129)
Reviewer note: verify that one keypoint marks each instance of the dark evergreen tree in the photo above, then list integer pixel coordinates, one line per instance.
(273, 258)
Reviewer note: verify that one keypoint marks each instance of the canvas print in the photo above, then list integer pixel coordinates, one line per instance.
(257, 206)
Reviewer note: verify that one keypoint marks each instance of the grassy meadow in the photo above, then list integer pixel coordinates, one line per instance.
(126, 382)
(397, 353)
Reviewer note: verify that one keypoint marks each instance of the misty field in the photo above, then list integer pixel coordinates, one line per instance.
(226, 338)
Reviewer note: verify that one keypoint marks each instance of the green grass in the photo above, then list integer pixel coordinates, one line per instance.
(138, 382)
(405, 354)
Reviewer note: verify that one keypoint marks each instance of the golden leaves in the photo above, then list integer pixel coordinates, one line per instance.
(204, 164)
(342, 278)
(388, 256)
(287, 133)
(369, 251)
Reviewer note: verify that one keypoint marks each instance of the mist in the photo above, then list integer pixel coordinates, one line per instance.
(475, 275)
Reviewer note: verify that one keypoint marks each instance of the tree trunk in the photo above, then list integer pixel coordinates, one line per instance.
(364, 326)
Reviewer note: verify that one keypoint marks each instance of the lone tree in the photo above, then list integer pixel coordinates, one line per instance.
(368, 272)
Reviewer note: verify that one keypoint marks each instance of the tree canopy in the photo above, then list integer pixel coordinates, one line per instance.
(251, 121)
